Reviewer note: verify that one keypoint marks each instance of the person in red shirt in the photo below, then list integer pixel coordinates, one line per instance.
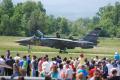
(40, 65)
(91, 71)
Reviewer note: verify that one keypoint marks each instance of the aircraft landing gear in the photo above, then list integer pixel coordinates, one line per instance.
(60, 51)
(63, 51)
(29, 48)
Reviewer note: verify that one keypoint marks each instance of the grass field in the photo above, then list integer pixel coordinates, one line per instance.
(106, 47)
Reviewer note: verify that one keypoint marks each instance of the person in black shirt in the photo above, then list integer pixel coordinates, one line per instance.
(10, 62)
(104, 70)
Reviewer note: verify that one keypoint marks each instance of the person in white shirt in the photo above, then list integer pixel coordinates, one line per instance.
(76, 62)
(2, 61)
(61, 72)
(46, 65)
(17, 57)
(68, 73)
(53, 62)
(118, 65)
(109, 66)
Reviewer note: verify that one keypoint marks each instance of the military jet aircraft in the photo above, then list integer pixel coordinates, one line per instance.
(89, 41)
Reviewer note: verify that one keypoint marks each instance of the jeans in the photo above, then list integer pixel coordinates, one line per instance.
(14, 75)
(33, 73)
(2, 71)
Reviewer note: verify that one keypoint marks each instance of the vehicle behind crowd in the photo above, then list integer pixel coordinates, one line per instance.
(79, 68)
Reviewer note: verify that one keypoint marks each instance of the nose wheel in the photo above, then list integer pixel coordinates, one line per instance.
(63, 50)
(29, 48)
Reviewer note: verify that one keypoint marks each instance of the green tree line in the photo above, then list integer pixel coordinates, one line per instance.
(23, 19)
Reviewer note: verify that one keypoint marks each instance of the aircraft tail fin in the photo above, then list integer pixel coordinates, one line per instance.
(93, 35)
(40, 34)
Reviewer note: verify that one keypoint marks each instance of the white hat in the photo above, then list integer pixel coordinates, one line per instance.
(116, 52)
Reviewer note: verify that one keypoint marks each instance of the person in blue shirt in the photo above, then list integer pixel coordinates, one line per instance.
(54, 73)
(21, 63)
(83, 71)
(29, 64)
(116, 56)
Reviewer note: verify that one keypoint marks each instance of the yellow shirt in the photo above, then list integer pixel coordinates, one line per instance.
(82, 62)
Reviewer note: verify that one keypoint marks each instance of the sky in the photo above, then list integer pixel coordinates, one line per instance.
(72, 9)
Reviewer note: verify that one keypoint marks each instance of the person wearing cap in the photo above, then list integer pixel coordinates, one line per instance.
(116, 56)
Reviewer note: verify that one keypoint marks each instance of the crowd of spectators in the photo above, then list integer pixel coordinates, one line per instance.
(79, 68)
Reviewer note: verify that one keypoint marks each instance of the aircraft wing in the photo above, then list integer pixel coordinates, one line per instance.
(29, 40)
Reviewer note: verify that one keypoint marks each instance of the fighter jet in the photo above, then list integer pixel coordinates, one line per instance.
(89, 41)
